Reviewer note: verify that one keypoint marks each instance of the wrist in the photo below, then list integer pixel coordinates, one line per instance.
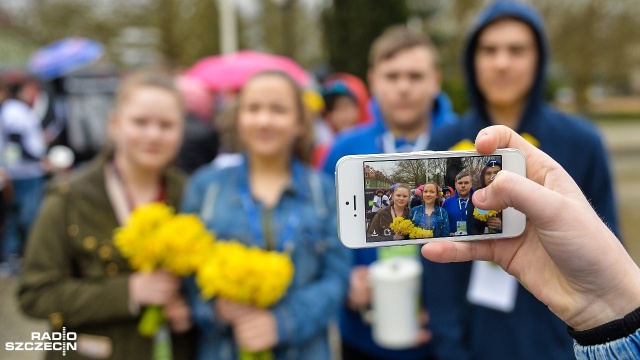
(604, 309)
(610, 331)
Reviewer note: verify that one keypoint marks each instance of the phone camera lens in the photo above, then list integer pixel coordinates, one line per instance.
(354, 215)
(347, 203)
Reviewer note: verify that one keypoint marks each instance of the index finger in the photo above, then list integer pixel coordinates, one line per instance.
(499, 136)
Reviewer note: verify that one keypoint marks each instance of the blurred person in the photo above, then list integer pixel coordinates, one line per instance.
(459, 207)
(505, 61)
(493, 224)
(200, 143)
(597, 296)
(446, 193)
(406, 107)
(74, 275)
(380, 201)
(379, 228)
(430, 215)
(282, 205)
(21, 149)
(416, 199)
(345, 106)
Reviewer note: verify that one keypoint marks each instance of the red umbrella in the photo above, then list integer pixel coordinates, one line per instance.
(230, 72)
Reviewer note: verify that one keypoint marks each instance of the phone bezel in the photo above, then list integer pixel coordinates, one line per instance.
(350, 181)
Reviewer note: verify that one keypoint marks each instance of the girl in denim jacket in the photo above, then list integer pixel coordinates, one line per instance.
(270, 198)
(430, 215)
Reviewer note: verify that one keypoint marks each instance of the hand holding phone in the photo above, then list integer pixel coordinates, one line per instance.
(567, 257)
(417, 211)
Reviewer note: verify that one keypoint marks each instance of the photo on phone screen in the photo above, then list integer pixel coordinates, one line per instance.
(428, 198)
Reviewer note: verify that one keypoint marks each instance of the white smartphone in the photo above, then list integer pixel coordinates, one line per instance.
(417, 197)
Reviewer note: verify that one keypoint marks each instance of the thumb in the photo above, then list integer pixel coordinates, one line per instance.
(512, 190)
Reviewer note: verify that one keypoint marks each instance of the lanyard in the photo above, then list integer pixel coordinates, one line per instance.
(285, 241)
(466, 202)
(389, 143)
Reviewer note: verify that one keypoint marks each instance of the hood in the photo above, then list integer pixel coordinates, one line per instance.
(499, 10)
(356, 88)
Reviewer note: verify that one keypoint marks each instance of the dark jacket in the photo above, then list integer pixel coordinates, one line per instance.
(74, 275)
(379, 227)
(530, 331)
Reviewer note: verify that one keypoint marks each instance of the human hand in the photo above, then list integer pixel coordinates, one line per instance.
(566, 257)
(229, 311)
(178, 314)
(155, 288)
(359, 296)
(256, 330)
(424, 334)
(494, 223)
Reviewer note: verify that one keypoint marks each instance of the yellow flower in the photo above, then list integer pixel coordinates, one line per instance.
(484, 215)
(420, 233)
(245, 274)
(465, 144)
(532, 140)
(401, 226)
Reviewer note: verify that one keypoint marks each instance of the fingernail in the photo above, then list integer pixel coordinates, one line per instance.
(479, 195)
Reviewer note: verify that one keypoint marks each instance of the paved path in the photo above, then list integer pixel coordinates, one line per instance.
(623, 140)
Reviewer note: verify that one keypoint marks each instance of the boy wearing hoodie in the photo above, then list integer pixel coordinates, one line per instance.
(505, 61)
(406, 107)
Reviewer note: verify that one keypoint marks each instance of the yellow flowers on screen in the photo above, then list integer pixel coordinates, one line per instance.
(402, 226)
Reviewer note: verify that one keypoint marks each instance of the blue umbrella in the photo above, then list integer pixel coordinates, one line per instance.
(64, 56)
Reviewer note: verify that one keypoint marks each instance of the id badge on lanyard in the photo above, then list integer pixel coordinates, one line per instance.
(461, 225)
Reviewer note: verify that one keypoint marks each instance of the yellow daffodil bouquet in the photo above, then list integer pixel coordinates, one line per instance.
(156, 238)
(484, 215)
(403, 226)
(247, 275)
(243, 274)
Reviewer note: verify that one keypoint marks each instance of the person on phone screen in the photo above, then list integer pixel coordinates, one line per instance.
(459, 207)
(379, 228)
(486, 221)
(430, 215)
(378, 201)
(505, 62)
(566, 257)
(282, 205)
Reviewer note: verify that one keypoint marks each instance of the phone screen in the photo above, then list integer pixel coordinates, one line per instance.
(428, 198)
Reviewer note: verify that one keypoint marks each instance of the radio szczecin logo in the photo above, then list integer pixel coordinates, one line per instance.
(54, 341)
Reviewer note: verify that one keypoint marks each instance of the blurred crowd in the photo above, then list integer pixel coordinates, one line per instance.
(254, 158)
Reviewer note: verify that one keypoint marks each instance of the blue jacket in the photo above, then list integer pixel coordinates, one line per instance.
(367, 139)
(625, 348)
(530, 331)
(439, 222)
(457, 213)
(304, 223)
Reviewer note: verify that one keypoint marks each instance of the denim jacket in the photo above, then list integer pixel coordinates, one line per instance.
(439, 222)
(321, 263)
(627, 348)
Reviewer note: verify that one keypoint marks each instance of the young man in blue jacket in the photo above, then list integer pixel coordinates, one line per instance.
(407, 106)
(505, 61)
(459, 207)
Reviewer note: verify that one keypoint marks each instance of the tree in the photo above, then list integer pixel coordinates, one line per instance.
(410, 172)
(454, 166)
(350, 26)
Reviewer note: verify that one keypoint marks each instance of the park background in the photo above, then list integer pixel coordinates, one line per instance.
(595, 69)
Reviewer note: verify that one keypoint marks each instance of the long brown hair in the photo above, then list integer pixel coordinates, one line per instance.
(228, 123)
